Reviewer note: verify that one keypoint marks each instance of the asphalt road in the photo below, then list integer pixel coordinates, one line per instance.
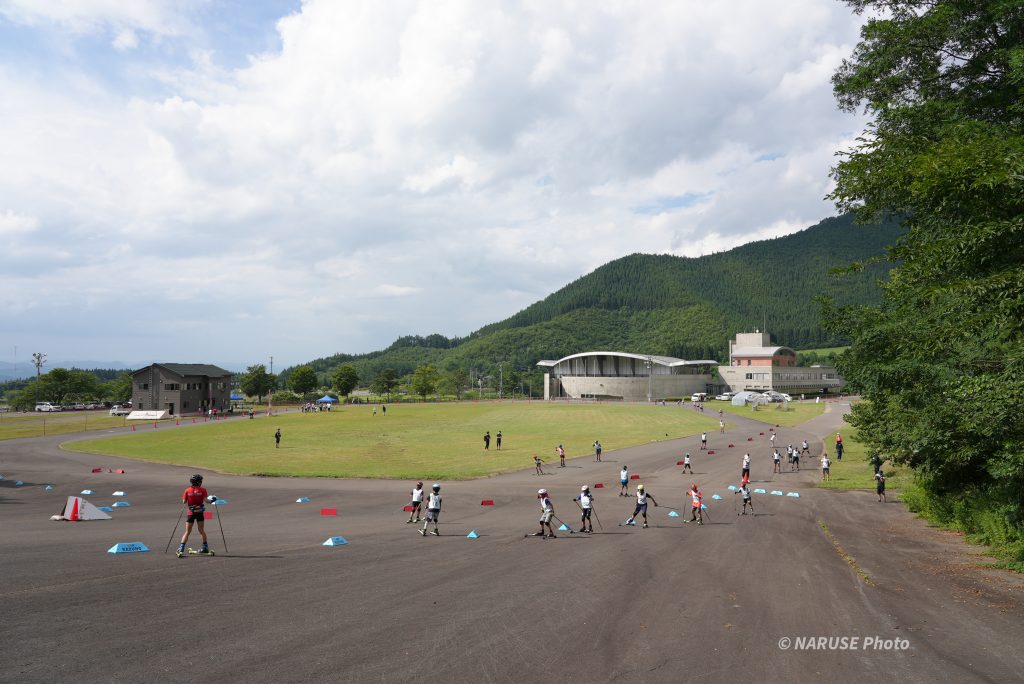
(670, 603)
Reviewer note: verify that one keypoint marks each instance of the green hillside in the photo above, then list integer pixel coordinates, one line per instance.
(661, 304)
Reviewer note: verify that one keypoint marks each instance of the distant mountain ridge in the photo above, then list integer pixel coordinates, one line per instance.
(663, 304)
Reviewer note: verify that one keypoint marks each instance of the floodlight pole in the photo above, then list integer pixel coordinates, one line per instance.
(38, 358)
(649, 362)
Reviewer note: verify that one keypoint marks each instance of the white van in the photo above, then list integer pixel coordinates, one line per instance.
(698, 397)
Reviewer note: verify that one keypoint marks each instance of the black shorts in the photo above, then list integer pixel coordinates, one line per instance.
(640, 508)
(746, 471)
(586, 513)
(416, 504)
(196, 516)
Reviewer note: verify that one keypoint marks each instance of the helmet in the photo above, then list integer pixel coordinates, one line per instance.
(419, 484)
(541, 492)
(196, 480)
(436, 487)
(584, 488)
(640, 487)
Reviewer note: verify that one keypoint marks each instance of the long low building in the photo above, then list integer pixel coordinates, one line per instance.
(626, 376)
(756, 365)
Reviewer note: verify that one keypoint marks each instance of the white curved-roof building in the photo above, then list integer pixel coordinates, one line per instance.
(624, 375)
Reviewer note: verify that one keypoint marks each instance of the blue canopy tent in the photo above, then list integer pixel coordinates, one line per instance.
(237, 397)
(326, 400)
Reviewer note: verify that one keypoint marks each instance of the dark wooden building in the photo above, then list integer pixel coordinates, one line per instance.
(181, 388)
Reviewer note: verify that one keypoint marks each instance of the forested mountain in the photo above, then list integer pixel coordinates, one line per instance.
(661, 304)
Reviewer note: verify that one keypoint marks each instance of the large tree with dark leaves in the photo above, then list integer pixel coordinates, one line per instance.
(940, 360)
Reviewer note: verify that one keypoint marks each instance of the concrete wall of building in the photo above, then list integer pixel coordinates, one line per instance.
(631, 389)
(784, 379)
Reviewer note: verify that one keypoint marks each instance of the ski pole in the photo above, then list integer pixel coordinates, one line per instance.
(704, 511)
(594, 510)
(217, 508)
(175, 529)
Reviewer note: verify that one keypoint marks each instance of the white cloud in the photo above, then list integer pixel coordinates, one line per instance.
(12, 223)
(401, 168)
(125, 40)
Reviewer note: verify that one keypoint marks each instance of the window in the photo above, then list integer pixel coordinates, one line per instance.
(143, 385)
(748, 362)
(172, 386)
(184, 405)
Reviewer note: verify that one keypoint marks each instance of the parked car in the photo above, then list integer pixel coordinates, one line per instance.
(725, 396)
(118, 410)
(46, 407)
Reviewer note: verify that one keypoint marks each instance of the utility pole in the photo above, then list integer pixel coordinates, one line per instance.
(38, 358)
(270, 394)
(501, 379)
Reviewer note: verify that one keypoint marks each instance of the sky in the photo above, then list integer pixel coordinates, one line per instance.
(206, 181)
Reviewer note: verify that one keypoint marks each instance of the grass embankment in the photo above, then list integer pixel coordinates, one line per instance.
(429, 441)
(773, 414)
(982, 518)
(17, 426)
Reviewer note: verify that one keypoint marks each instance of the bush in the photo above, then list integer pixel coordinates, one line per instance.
(984, 519)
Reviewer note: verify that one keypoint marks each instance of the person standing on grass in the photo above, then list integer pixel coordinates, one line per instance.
(825, 463)
(547, 511)
(561, 456)
(277, 439)
(641, 504)
(433, 511)
(624, 481)
(384, 409)
(497, 440)
(880, 486)
(695, 497)
(586, 503)
(416, 504)
(537, 464)
(747, 501)
(487, 440)
(686, 464)
(703, 441)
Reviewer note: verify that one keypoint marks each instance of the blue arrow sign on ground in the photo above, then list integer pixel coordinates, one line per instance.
(335, 541)
(128, 547)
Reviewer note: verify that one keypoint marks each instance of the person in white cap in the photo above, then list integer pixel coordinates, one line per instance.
(433, 510)
(547, 512)
(586, 503)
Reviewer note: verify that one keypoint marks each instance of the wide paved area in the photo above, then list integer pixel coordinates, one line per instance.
(733, 600)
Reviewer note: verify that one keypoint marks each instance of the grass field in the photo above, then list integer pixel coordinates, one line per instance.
(19, 425)
(773, 414)
(823, 351)
(428, 441)
(854, 472)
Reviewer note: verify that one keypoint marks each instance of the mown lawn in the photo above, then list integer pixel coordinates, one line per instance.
(19, 425)
(773, 414)
(429, 441)
(854, 471)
